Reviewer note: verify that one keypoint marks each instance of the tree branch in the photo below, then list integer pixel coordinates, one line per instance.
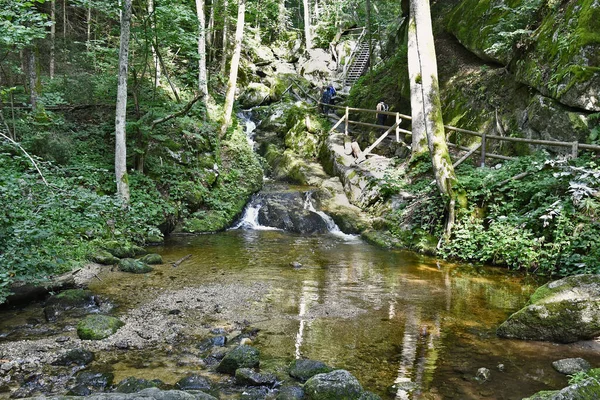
(27, 154)
(179, 113)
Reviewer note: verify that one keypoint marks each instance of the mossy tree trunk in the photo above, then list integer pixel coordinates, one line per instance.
(202, 75)
(428, 103)
(307, 32)
(121, 108)
(233, 71)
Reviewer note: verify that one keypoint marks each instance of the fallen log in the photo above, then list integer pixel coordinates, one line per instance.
(178, 262)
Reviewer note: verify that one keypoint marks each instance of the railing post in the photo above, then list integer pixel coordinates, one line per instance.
(346, 126)
(575, 149)
(398, 120)
(482, 163)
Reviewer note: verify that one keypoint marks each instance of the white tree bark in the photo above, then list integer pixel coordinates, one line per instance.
(52, 36)
(33, 78)
(431, 107)
(233, 71)
(225, 33)
(202, 75)
(88, 22)
(121, 108)
(155, 60)
(282, 17)
(307, 30)
(419, 138)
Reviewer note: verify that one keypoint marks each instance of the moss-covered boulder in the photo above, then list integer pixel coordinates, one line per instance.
(549, 120)
(123, 250)
(75, 357)
(565, 311)
(104, 257)
(336, 385)
(303, 370)
(249, 377)
(97, 327)
(491, 28)
(152, 259)
(134, 266)
(587, 388)
(193, 382)
(243, 356)
(134, 385)
(254, 95)
(290, 393)
(562, 57)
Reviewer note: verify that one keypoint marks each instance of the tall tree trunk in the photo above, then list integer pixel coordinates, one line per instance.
(155, 60)
(307, 30)
(225, 33)
(52, 36)
(88, 22)
(64, 10)
(369, 35)
(445, 177)
(282, 17)
(121, 109)
(419, 138)
(33, 78)
(233, 71)
(210, 37)
(202, 76)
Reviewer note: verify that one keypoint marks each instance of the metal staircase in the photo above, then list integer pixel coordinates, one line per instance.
(359, 64)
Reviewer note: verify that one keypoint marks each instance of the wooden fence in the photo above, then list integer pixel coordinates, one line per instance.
(575, 146)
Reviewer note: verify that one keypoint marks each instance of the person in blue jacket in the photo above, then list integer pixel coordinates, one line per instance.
(328, 98)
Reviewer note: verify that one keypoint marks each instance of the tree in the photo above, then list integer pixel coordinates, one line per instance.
(202, 76)
(233, 71)
(121, 107)
(424, 81)
(52, 36)
(307, 31)
(225, 33)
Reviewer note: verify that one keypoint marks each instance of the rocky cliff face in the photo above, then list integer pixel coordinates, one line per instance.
(538, 74)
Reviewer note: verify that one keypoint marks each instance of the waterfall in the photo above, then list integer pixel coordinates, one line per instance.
(331, 225)
(249, 218)
(250, 126)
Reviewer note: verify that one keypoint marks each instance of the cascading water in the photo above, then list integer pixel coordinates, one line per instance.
(331, 225)
(250, 126)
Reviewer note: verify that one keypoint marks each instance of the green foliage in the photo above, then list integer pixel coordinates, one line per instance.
(21, 23)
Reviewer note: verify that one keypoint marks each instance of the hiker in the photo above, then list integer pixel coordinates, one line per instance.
(381, 118)
(327, 98)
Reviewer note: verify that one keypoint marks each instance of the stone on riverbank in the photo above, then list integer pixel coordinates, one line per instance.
(104, 257)
(134, 266)
(290, 393)
(303, 370)
(241, 357)
(588, 388)
(96, 327)
(249, 377)
(75, 357)
(565, 311)
(339, 385)
(152, 259)
(193, 382)
(571, 366)
(73, 299)
(134, 385)
(123, 250)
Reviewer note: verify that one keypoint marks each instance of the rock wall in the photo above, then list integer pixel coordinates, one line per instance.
(538, 74)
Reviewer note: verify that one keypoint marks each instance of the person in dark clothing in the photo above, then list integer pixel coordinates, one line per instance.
(327, 98)
(381, 118)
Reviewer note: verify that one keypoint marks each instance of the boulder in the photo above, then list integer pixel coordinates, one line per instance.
(99, 381)
(134, 266)
(152, 259)
(290, 393)
(339, 385)
(104, 257)
(254, 95)
(255, 393)
(209, 343)
(249, 377)
(193, 382)
(75, 302)
(241, 357)
(303, 370)
(587, 388)
(123, 250)
(571, 366)
(565, 311)
(78, 357)
(96, 327)
(286, 211)
(134, 385)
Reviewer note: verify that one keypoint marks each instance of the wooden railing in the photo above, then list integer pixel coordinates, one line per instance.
(575, 146)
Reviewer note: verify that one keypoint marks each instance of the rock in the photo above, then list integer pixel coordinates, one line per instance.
(588, 388)
(303, 370)
(286, 211)
(240, 357)
(75, 357)
(209, 343)
(79, 390)
(152, 259)
(96, 327)
(134, 266)
(76, 302)
(193, 382)
(254, 95)
(96, 380)
(295, 264)
(571, 366)
(483, 374)
(248, 377)
(565, 311)
(104, 257)
(119, 250)
(369, 396)
(339, 385)
(134, 385)
(254, 394)
(290, 393)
